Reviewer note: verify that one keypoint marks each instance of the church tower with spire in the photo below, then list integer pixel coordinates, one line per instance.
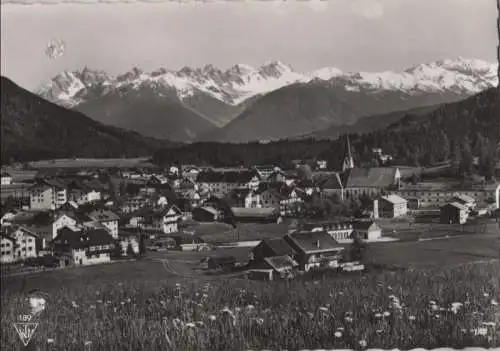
(348, 162)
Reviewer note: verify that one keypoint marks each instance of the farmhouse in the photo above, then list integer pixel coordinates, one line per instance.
(314, 249)
(187, 242)
(128, 241)
(6, 178)
(81, 193)
(465, 200)
(367, 230)
(453, 213)
(270, 248)
(221, 183)
(19, 243)
(269, 267)
(84, 247)
(246, 198)
(107, 219)
(165, 219)
(392, 206)
(48, 195)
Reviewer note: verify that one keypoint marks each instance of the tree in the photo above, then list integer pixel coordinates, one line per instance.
(466, 162)
(117, 250)
(130, 250)
(358, 248)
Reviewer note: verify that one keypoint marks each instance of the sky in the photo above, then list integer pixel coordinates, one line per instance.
(352, 35)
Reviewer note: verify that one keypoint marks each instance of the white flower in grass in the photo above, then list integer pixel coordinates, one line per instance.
(92, 307)
(237, 309)
(323, 309)
(437, 316)
(480, 331)
(363, 343)
(387, 314)
(99, 301)
(190, 325)
(338, 334)
(494, 302)
(432, 302)
(128, 300)
(73, 304)
(412, 318)
(122, 303)
(87, 343)
(200, 324)
(163, 303)
(50, 341)
(434, 307)
(250, 307)
(212, 317)
(489, 324)
(349, 319)
(378, 315)
(379, 331)
(37, 304)
(259, 321)
(486, 294)
(340, 328)
(455, 307)
(310, 314)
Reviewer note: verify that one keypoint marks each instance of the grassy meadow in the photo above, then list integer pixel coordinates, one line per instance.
(440, 306)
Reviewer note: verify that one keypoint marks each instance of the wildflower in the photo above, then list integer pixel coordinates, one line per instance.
(237, 309)
(378, 315)
(432, 302)
(412, 318)
(212, 317)
(87, 343)
(362, 343)
(190, 325)
(434, 307)
(338, 334)
(250, 307)
(99, 301)
(348, 319)
(489, 324)
(73, 304)
(200, 324)
(494, 302)
(387, 314)
(92, 307)
(455, 306)
(480, 331)
(310, 314)
(122, 303)
(128, 300)
(37, 304)
(379, 331)
(323, 309)
(50, 341)
(486, 294)
(163, 303)
(259, 321)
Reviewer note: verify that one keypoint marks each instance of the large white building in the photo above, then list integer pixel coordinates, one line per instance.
(393, 206)
(18, 244)
(48, 195)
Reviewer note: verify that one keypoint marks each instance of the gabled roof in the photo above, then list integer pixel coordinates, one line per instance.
(11, 231)
(227, 177)
(313, 242)
(263, 212)
(103, 216)
(456, 205)
(332, 181)
(83, 239)
(5, 174)
(378, 177)
(208, 209)
(281, 262)
(365, 225)
(394, 199)
(465, 199)
(278, 245)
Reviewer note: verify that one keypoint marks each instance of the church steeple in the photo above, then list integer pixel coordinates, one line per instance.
(348, 162)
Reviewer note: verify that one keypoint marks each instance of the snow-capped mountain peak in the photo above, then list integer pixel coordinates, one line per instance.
(241, 81)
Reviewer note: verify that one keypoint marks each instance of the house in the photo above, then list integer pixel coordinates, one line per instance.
(244, 197)
(270, 248)
(187, 242)
(277, 176)
(321, 164)
(266, 170)
(393, 206)
(133, 204)
(205, 214)
(81, 193)
(165, 219)
(6, 218)
(255, 215)
(107, 218)
(48, 195)
(84, 247)
(370, 181)
(453, 213)
(269, 267)
(18, 244)
(7, 248)
(337, 230)
(6, 178)
(45, 224)
(128, 241)
(221, 183)
(314, 249)
(367, 230)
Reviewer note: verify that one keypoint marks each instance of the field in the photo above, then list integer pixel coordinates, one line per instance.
(92, 163)
(430, 294)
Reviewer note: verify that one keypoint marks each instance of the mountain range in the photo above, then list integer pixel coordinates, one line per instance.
(210, 104)
(34, 129)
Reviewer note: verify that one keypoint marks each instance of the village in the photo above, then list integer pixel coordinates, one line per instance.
(263, 222)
